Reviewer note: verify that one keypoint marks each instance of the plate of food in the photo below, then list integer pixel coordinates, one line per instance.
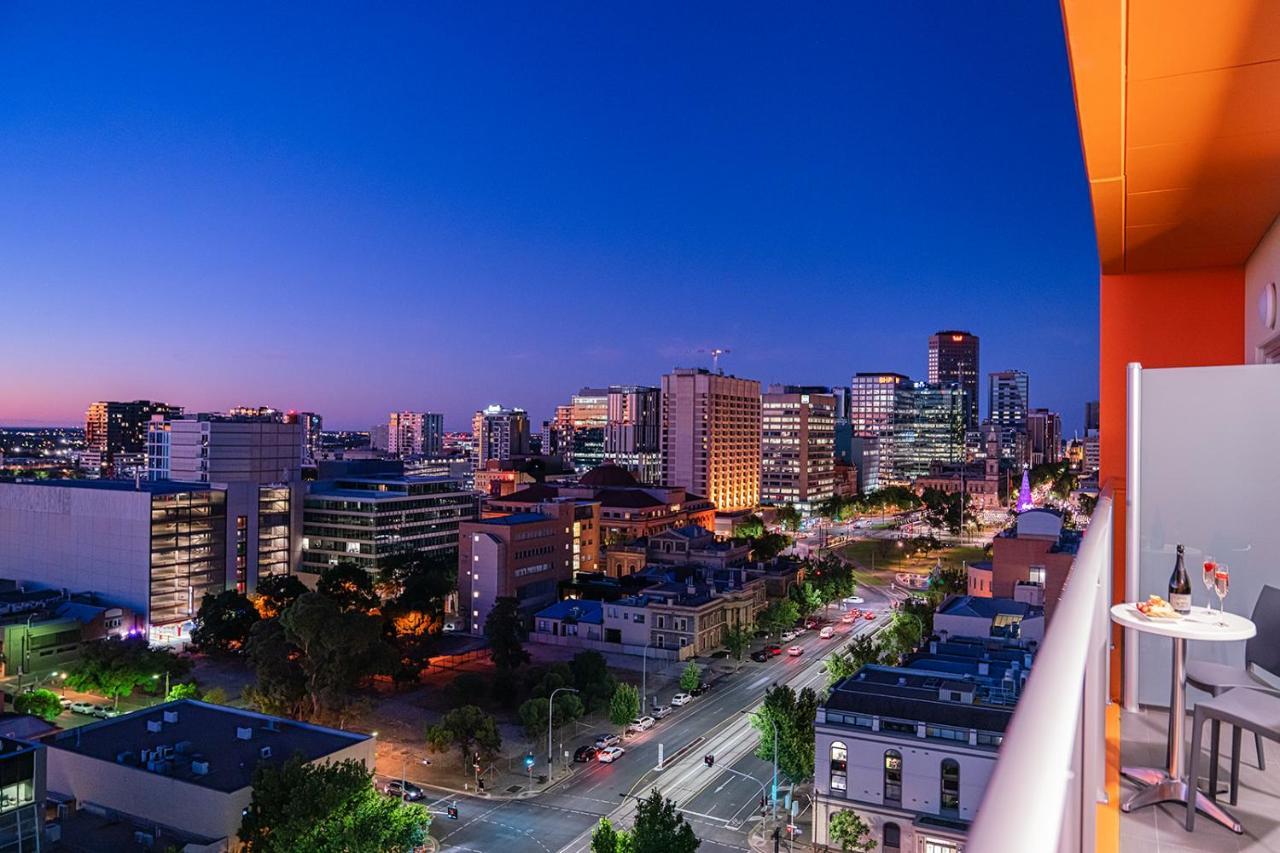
(1157, 608)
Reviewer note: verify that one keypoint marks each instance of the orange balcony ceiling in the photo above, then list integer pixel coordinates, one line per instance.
(1179, 110)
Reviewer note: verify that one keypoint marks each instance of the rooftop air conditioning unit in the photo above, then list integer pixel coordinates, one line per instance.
(144, 839)
(244, 732)
(154, 725)
(265, 752)
(171, 716)
(200, 768)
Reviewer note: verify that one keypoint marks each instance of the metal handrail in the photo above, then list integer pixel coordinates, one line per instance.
(1049, 774)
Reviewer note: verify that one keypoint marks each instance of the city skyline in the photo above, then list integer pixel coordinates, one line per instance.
(440, 210)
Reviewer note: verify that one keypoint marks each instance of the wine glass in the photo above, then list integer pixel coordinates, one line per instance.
(1210, 567)
(1221, 583)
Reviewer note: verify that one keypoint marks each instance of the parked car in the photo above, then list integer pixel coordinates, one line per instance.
(104, 712)
(760, 656)
(811, 624)
(773, 649)
(660, 711)
(869, 616)
(82, 708)
(681, 699)
(700, 689)
(65, 703)
(610, 754)
(641, 724)
(607, 740)
(402, 789)
(795, 651)
(827, 633)
(788, 636)
(585, 754)
(720, 654)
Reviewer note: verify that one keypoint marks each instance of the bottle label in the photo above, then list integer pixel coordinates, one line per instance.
(1180, 602)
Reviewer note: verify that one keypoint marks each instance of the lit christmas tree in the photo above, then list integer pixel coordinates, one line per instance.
(1024, 494)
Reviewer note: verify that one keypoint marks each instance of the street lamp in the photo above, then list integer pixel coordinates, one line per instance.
(644, 673)
(156, 677)
(551, 711)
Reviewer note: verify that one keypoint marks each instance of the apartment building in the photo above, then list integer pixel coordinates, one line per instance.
(415, 434)
(633, 431)
(499, 434)
(797, 446)
(711, 436)
(1044, 436)
(1009, 396)
(112, 427)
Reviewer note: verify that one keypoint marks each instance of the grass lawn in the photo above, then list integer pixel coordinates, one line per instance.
(888, 556)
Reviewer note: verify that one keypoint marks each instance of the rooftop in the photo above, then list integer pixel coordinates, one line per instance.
(200, 736)
(514, 519)
(575, 610)
(154, 487)
(915, 696)
(989, 608)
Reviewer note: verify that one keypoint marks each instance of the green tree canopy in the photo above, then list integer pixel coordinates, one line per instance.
(276, 592)
(737, 639)
(778, 616)
(41, 703)
(749, 527)
(504, 627)
(350, 587)
(468, 730)
(328, 808)
(769, 545)
(533, 713)
(223, 623)
(862, 650)
(182, 691)
(593, 679)
(789, 517)
(690, 677)
(281, 685)
(794, 714)
(850, 832)
(606, 839)
(625, 704)
(659, 828)
(116, 667)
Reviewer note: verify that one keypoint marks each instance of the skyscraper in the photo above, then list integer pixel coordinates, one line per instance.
(415, 434)
(633, 431)
(934, 433)
(311, 425)
(953, 358)
(1092, 418)
(797, 445)
(588, 415)
(711, 436)
(499, 433)
(1044, 436)
(111, 428)
(880, 407)
(1010, 396)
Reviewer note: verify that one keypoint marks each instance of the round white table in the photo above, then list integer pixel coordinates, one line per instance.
(1167, 784)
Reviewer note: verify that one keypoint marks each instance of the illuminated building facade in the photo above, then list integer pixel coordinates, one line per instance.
(797, 446)
(953, 358)
(500, 434)
(1009, 400)
(415, 434)
(633, 431)
(711, 436)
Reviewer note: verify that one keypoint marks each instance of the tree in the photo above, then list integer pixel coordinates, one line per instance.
(1087, 504)
(794, 715)
(469, 730)
(328, 808)
(276, 592)
(116, 667)
(789, 517)
(41, 703)
(505, 629)
(659, 828)
(778, 616)
(339, 647)
(768, 546)
(606, 839)
(592, 678)
(806, 597)
(690, 677)
(223, 623)
(749, 527)
(850, 832)
(348, 586)
(625, 704)
(904, 634)
(861, 651)
(533, 713)
(737, 639)
(281, 685)
(182, 691)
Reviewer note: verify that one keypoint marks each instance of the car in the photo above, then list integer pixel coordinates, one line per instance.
(855, 613)
(82, 708)
(585, 754)
(795, 651)
(700, 689)
(853, 599)
(681, 699)
(104, 712)
(788, 636)
(641, 724)
(402, 789)
(811, 624)
(869, 616)
(849, 617)
(827, 633)
(660, 711)
(65, 703)
(773, 649)
(720, 654)
(610, 754)
(607, 740)
(760, 656)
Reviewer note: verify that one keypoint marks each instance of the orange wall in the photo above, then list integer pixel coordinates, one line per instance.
(1190, 318)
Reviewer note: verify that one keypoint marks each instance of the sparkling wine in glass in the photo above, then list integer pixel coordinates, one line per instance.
(1221, 583)
(1210, 568)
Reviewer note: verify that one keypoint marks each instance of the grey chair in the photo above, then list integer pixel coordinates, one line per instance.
(1243, 708)
(1262, 651)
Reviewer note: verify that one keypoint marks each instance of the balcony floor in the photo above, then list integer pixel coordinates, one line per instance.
(1159, 829)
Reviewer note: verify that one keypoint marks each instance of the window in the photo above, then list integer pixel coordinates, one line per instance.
(891, 841)
(893, 777)
(839, 766)
(1035, 574)
(950, 786)
(933, 846)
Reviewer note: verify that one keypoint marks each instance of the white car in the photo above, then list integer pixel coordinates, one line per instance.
(660, 711)
(610, 754)
(853, 599)
(82, 708)
(681, 699)
(607, 740)
(641, 724)
(788, 636)
(827, 633)
(795, 651)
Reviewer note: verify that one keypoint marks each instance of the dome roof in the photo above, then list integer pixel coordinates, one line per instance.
(607, 475)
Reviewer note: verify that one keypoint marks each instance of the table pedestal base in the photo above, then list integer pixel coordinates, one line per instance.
(1160, 788)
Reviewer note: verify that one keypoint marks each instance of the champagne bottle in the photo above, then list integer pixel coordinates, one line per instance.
(1180, 586)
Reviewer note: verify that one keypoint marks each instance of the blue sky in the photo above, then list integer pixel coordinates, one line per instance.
(440, 206)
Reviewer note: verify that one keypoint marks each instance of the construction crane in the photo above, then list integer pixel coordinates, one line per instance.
(715, 356)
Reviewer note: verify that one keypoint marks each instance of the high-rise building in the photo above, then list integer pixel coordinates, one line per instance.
(1044, 436)
(415, 434)
(112, 428)
(797, 446)
(499, 434)
(934, 433)
(711, 436)
(633, 432)
(311, 426)
(953, 358)
(1092, 418)
(588, 417)
(379, 437)
(1009, 400)
(843, 429)
(880, 407)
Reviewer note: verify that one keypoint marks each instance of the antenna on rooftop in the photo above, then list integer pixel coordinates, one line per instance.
(715, 356)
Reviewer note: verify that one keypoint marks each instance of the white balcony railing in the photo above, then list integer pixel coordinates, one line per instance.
(1051, 771)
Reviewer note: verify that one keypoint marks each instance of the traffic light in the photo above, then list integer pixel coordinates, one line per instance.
(528, 760)
(708, 759)
(452, 812)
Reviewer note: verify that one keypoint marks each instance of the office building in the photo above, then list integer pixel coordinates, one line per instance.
(633, 431)
(1009, 399)
(114, 428)
(415, 434)
(580, 429)
(363, 518)
(1044, 436)
(380, 437)
(23, 790)
(499, 433)
(179, 774)
(155, 548)
(880, 406)
(523, 556)
(711, 436)
(953, 359)
(797, 446)
(933, 432)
